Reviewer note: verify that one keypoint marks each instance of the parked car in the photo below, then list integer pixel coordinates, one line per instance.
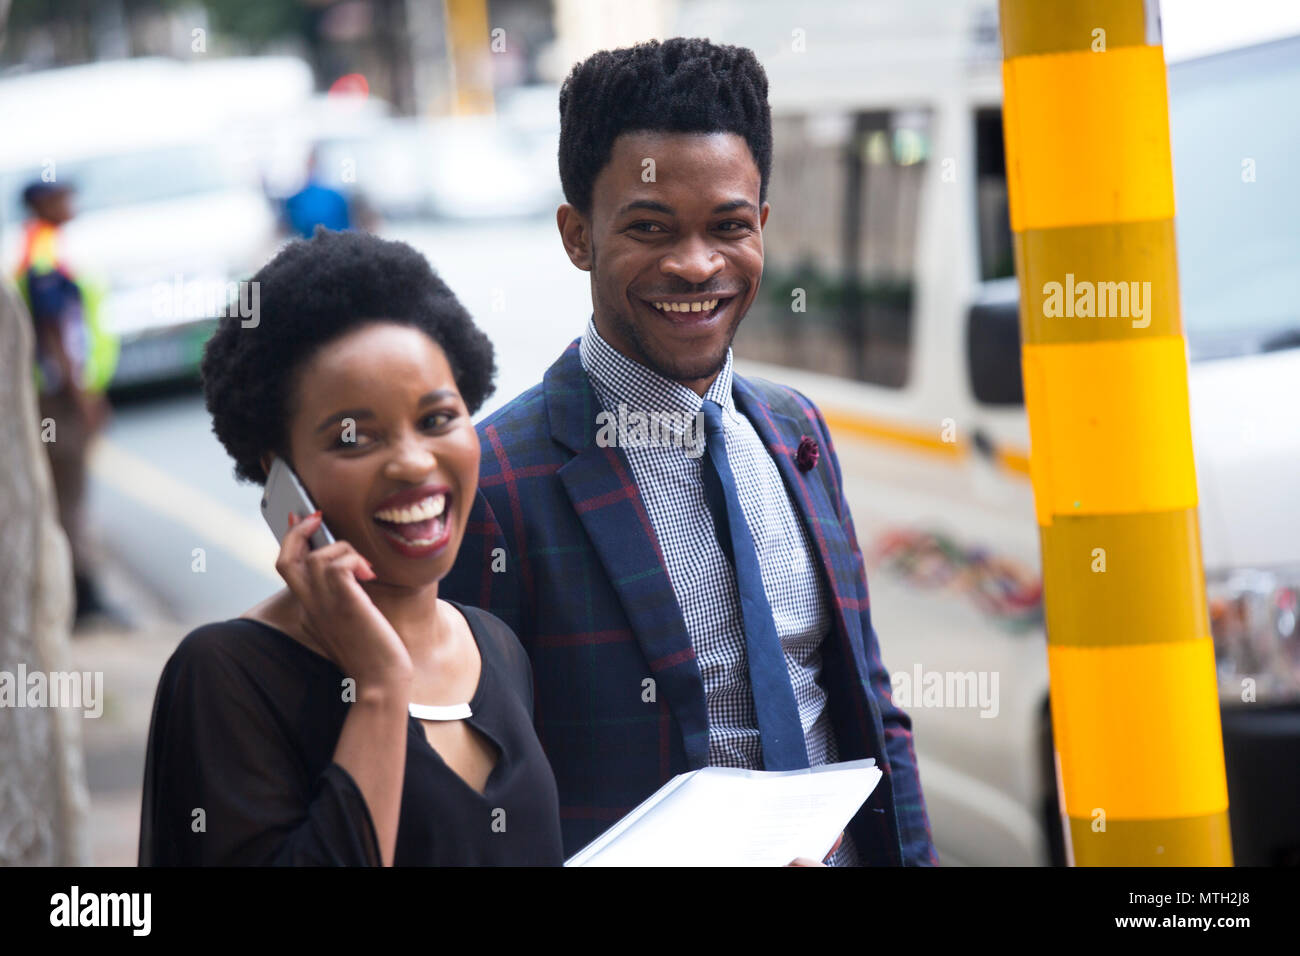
(170, 208)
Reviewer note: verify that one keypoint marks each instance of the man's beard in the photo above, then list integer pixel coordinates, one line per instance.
(688, 368)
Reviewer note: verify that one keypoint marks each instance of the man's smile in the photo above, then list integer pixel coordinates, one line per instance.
(692, 310)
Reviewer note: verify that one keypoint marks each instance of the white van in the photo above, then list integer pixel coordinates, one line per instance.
(169, 206)
(889, 228)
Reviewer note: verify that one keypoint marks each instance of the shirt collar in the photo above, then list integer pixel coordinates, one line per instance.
(638, 387)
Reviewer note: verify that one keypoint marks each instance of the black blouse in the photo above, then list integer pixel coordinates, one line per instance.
(240, 768)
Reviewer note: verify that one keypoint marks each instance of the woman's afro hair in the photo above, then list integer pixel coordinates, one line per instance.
(678, 86)
(313, 291)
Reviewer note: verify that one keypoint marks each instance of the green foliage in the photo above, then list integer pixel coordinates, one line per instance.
(257, 21)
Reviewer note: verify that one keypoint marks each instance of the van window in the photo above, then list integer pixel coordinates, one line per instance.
(1238, 198)
(997, 258)
(128, 179)
(840, 245)
(1238, 201)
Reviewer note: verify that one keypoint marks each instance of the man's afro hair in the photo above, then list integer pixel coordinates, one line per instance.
(682, 85)
(313, 291)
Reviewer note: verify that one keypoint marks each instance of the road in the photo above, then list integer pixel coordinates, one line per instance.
(183, 543)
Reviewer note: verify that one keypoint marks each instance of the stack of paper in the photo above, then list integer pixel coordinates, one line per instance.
(721, 816)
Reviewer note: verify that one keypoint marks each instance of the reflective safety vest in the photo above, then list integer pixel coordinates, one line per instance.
(40, 254)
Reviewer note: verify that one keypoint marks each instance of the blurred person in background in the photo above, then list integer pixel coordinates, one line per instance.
(316, 205)
(75, 359)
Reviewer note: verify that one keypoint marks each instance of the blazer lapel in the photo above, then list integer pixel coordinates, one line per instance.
(781, 434)
(605, 497)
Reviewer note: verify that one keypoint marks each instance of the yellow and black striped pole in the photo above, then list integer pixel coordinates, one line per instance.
(1135, 709)
(469, 51)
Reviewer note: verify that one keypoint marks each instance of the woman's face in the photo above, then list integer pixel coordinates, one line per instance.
(382, 441)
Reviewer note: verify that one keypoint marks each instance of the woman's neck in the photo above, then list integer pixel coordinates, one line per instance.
(415, 616)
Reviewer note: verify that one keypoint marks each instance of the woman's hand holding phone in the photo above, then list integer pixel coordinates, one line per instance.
(339, 617)
(336, 611)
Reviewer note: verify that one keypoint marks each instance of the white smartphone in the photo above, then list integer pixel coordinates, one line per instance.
(283, 494)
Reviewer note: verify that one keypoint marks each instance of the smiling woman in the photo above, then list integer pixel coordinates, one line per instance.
(352, 718)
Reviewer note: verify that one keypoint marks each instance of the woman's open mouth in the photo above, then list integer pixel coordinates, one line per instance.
(418, 530)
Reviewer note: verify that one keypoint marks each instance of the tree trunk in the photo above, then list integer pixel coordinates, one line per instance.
(43, 798)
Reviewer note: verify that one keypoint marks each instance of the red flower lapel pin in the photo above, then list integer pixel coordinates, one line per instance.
(807, 455)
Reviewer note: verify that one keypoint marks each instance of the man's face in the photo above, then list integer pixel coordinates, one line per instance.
(675, 262)
(55, 207)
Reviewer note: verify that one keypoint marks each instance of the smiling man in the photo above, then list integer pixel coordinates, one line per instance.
(681, 609)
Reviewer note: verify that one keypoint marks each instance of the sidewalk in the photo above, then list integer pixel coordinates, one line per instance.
(114, 743)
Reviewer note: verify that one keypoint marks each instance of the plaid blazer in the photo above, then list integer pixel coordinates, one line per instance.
(559, 546)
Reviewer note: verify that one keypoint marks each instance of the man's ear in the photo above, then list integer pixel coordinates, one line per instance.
(762, 215)
(266, 463)
(575, 233)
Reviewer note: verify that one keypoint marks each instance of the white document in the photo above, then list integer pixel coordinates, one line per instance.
(722, 816)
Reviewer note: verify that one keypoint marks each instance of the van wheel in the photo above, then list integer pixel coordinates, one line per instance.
(1051, 805)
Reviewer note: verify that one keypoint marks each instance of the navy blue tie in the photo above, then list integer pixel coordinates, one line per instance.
(778, 713)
